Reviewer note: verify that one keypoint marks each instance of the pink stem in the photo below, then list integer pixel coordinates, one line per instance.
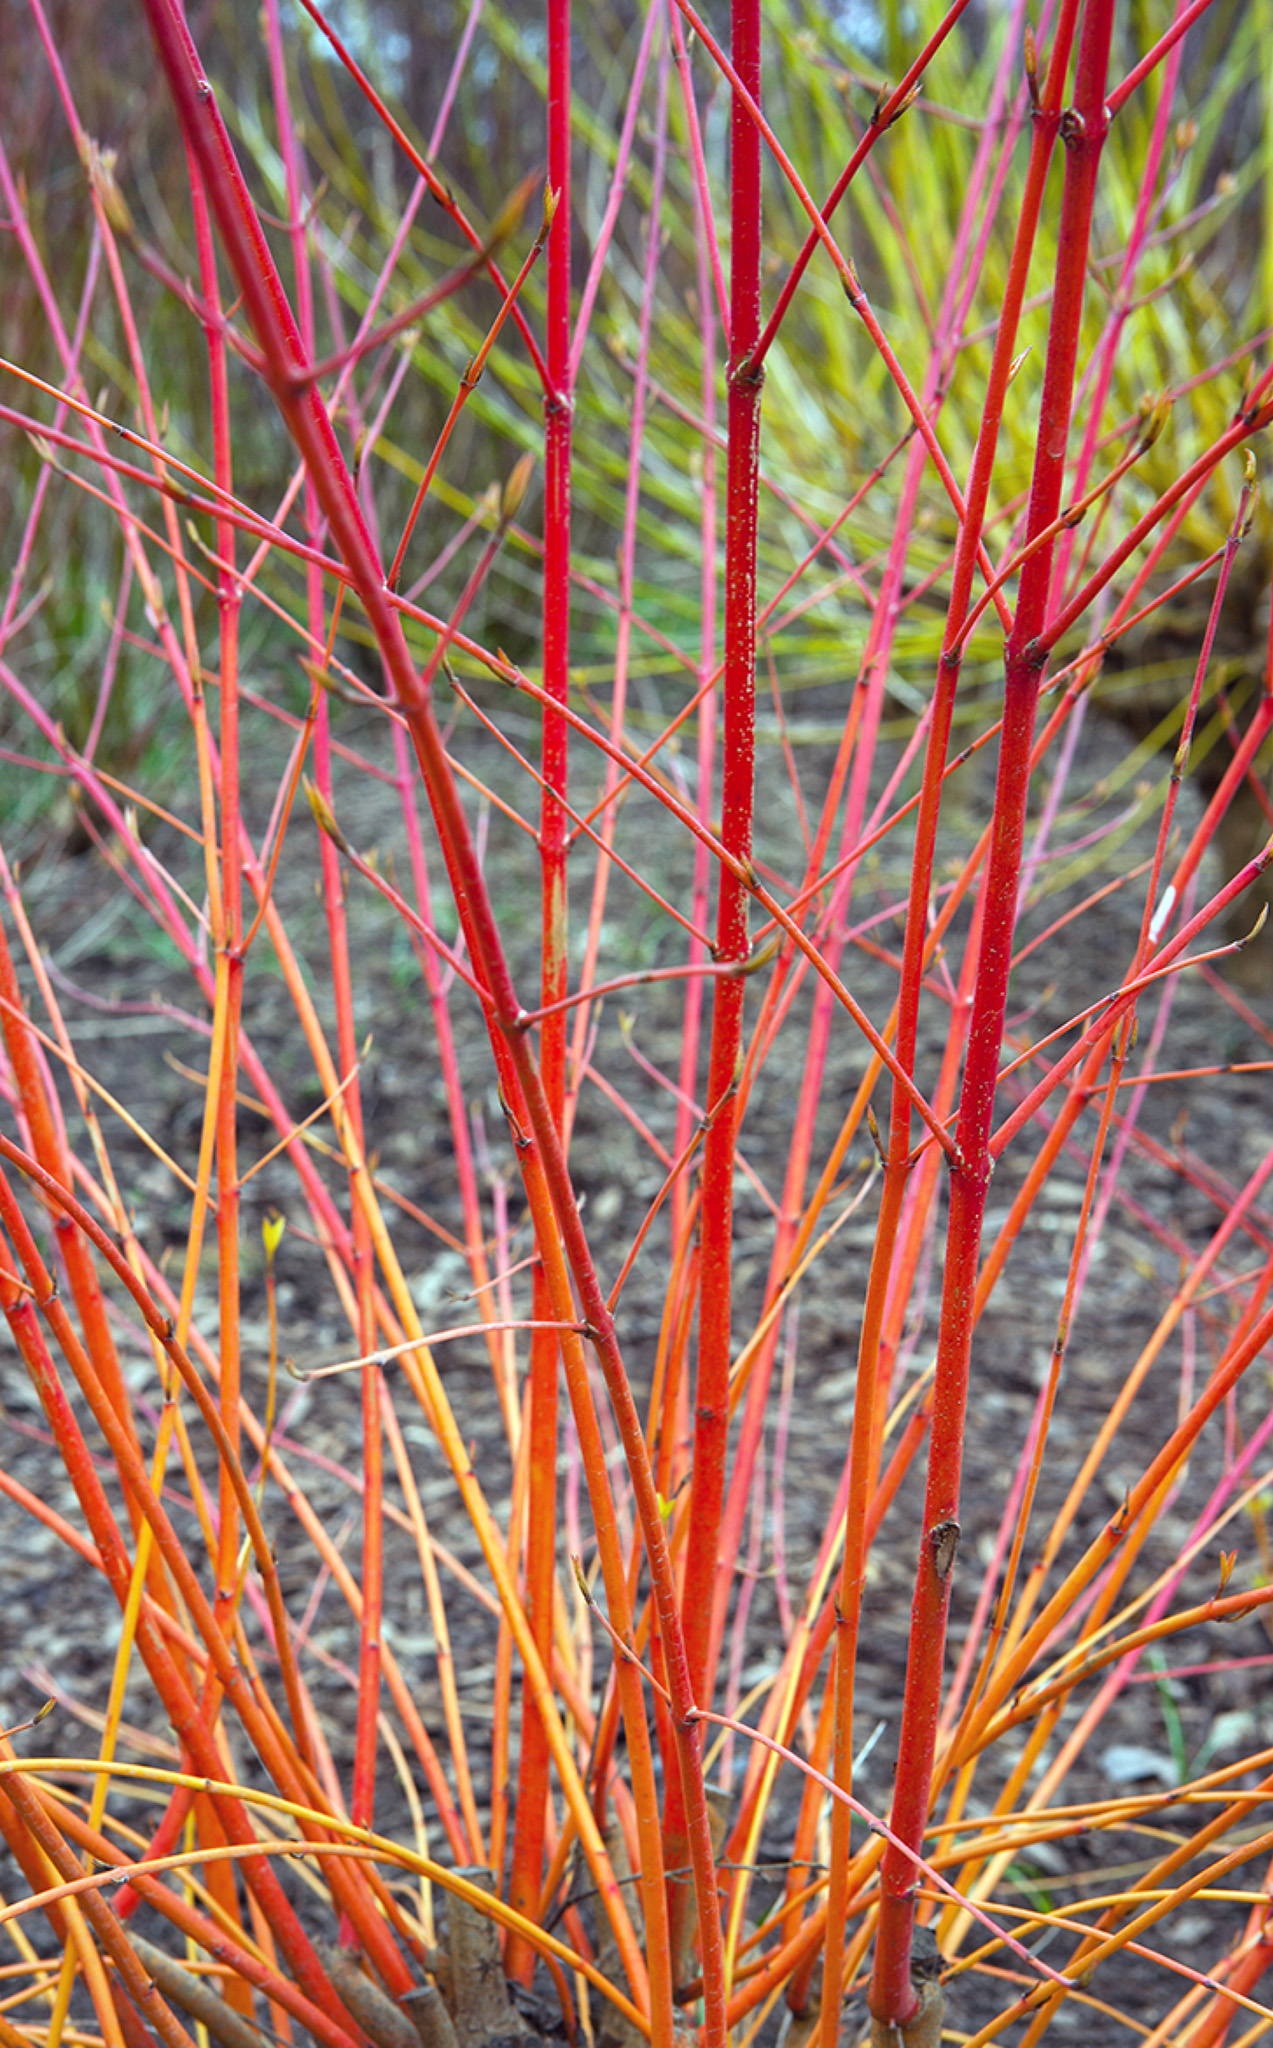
(526, 1876)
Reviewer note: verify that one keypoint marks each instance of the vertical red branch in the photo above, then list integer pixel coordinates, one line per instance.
(1083, 130)
(526, 1873)
(711, 1418)
(882, 1287)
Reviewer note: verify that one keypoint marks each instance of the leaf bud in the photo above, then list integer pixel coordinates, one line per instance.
(324, 816)
(100, 164)
(1030, 51)
(515, 488)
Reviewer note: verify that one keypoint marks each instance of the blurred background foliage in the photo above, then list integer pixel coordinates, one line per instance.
(1201, 295)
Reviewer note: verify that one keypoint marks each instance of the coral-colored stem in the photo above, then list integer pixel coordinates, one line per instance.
(179, 1704)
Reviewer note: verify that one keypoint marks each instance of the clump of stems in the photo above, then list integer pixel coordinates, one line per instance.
(681, 597)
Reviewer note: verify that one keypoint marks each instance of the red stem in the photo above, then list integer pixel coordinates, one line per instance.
(711, 1421)
(883, 1284)
(892, 1997)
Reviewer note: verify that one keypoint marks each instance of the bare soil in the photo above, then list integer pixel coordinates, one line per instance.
(1195, 1143)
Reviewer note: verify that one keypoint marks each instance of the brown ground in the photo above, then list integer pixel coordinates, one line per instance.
(61, 1621)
